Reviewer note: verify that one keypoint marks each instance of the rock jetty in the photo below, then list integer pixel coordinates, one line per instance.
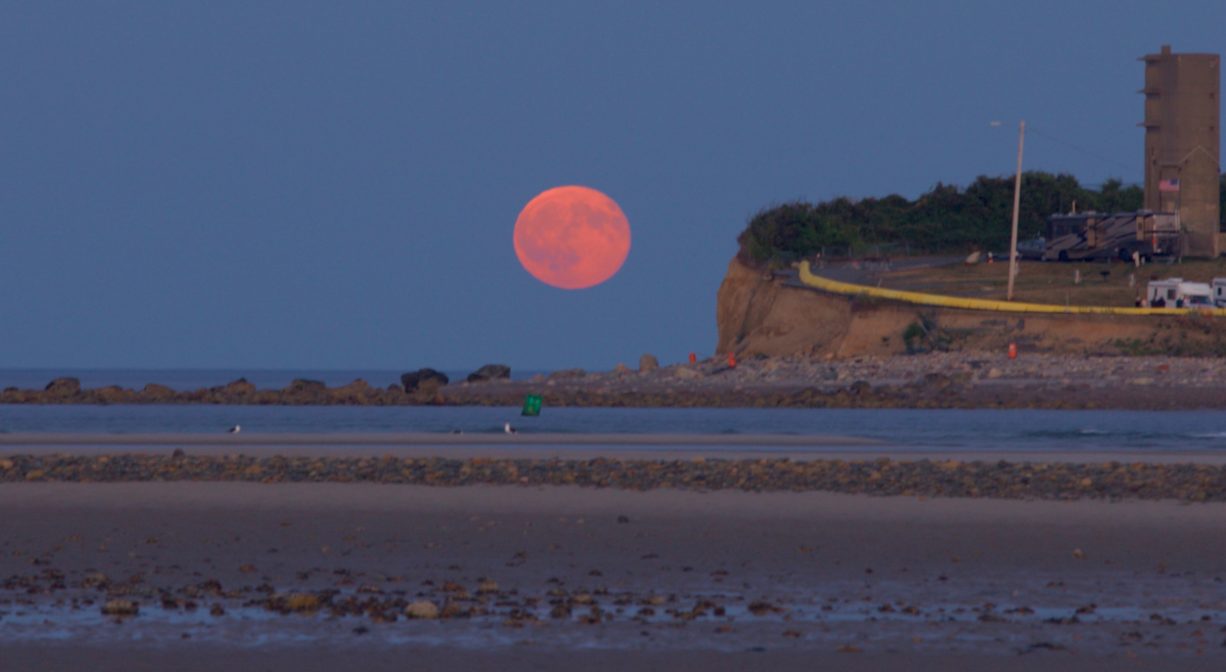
(423, 378)
(934, 380)
(490, 372)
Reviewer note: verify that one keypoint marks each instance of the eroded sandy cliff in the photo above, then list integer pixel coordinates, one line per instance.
(756, 314)
(760, 315)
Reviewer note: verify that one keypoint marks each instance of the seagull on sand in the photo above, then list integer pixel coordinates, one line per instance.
(235, 429)
(507, 428)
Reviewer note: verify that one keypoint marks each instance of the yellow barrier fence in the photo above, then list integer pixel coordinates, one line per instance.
(921, 299)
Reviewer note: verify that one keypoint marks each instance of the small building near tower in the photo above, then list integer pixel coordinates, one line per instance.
(1183, 144)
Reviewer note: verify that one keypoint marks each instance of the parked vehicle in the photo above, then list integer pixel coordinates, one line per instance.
(1178, 293)
(1031, 249)
(1095, 235)
(1219, 292)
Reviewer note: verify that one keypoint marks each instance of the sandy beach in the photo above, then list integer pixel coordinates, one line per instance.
(544, 446)
(307, 576)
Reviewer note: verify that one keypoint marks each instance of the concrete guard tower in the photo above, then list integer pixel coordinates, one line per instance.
(1183, 144)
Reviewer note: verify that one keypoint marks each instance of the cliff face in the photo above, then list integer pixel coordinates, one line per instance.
(758, 315)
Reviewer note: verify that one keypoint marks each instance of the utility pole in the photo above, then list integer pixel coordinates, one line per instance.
(1017, 200)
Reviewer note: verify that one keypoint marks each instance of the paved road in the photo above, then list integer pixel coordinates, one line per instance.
(864, 272)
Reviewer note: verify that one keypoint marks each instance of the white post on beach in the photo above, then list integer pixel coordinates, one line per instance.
(1017, 199)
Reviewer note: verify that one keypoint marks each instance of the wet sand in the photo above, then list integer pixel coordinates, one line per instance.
(732, 580)
(189, 658)
(426, 439)
(559, 446)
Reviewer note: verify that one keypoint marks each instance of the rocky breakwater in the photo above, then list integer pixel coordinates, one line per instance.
(934, 380)
(419, 387)
(299, 392)
(490, 372)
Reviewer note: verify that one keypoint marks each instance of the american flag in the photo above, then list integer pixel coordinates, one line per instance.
(1168, 185)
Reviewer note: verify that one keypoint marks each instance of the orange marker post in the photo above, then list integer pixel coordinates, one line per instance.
(693, 358)
(1013, 351)
(732, 360)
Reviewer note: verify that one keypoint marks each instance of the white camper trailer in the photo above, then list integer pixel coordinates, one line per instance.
(1219, 292)
(1179, 293)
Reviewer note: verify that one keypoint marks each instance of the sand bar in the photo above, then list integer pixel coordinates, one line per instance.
(567, 446)
(431, 439)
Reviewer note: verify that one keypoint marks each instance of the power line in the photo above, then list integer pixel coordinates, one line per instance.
(1081, 149)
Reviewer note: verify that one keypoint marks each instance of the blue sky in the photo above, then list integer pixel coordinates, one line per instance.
(334, 185)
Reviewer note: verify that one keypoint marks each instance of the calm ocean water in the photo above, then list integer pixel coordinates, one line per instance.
(1023, 430)
(1026, 430)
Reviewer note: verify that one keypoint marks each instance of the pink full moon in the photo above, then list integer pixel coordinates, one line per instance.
(572, 237)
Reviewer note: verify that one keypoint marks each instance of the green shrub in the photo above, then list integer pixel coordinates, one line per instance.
(946, 219)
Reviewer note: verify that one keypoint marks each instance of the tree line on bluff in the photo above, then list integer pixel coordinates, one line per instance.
(946, 219)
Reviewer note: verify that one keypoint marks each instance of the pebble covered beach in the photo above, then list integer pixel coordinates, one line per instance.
(880, 477)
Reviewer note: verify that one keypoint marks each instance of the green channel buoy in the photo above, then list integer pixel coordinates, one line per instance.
(532, 405)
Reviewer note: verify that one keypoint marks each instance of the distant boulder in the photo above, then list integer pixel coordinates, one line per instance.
(358, 392)
(358, 386)
(61, 388)
(111, 394)
(237, 388)
(302, 385)
(648, 362)
(304, 391)
(413, 380)
(490, 372)
(157, 393)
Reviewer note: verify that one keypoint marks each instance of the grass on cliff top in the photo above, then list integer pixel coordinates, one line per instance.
(1102, 283)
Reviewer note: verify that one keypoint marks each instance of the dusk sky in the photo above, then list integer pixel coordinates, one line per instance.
(334, 184)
